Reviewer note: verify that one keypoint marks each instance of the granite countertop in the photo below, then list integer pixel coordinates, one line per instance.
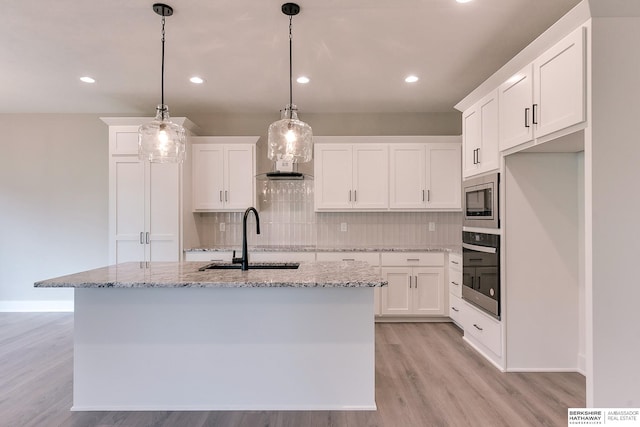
(185, 274)
(435, 248)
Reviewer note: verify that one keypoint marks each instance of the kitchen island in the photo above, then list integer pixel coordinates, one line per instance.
(166, 336)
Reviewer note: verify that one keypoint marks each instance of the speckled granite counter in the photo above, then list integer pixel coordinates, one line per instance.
(186, 274)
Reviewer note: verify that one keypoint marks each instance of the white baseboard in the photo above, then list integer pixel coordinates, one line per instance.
(582, 364)
(566, 369)
(36, 306)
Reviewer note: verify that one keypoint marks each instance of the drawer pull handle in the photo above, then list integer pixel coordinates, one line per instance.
(457, 284)
(455, 309)
(413, 259)
(478, 327)
(142, 238)
(454, 262)
(348, 259)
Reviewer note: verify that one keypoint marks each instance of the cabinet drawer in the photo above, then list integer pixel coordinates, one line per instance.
(413, 259)
(456, 309)
(483, 328)
(455, 283)
(279, 256)
(222, 256)
(455, 261)
(370, 257)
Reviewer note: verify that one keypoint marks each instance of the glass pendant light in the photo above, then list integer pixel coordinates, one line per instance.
(289, 138)
(161, 140)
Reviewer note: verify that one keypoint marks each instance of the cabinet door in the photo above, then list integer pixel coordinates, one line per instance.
(370, 176)
(471, 136)
(162, 212)
(333, 176)
(396, 296)
(407, 176)
(488, 155)
(429, 292)
(559, 76)
(444, 175)
(240, 182)
(515, 104)
(127, 204)
(208, 177)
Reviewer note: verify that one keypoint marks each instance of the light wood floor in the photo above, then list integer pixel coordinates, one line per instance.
(425, 376)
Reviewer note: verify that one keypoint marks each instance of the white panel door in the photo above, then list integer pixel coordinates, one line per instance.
(128, 210)
(471, 139)
(208, 177)
(429, 291)
(488, 156)
(396, 296)
(239, 179)
(407, 176)
(163, 213)
(444, 176)
(559, 76)
(371, 176)
(515, 106)
(333, 166)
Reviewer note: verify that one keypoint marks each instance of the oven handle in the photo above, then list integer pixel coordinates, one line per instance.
(485, 249)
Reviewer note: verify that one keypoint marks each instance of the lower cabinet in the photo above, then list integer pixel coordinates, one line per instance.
(482, 329)
(210, 256)
(416, 285)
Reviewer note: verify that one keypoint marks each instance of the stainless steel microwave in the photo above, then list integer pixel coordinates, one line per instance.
(480, 201)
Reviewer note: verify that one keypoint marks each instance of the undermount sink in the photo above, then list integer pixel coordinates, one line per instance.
(252, 266)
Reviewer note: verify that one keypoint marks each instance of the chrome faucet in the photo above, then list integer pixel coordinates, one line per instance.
(245, 254)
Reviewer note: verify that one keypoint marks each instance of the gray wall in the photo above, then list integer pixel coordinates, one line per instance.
(54, 185)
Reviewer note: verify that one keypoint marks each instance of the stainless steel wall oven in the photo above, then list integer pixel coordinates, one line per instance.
(481, 271)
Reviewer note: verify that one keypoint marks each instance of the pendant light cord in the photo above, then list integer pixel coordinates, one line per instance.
(162, 74)
(290, 70)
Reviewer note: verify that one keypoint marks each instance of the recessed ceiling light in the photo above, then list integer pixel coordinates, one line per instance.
(463, 1)
(411, 79)
(303, 79)
(87, 79)
(197, 80)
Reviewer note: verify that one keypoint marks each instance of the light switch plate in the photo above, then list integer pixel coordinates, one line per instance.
(432, 226)
(343, 226)
(223, 227)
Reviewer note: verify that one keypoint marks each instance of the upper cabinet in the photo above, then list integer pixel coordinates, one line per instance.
(480, 136)
(223, 173)
(387, 173)
(351, 176)
(425, 176)
(546, 96)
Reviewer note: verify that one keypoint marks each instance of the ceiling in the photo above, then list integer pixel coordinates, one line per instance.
(356, 53)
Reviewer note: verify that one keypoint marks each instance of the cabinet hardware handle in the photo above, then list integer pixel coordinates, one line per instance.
(475, 259)
(147, 237)
(349, 195)
(226, 196)
(415, 281)
(478, 155)
(526, 117)
(533, 113)
(457, 284)
(413, 259)
(220, 195)
(478, 282)
(423, 195)
(475, 156)
(348, 259)
(454, 262)
(428, 195)
(141, 238)
(355, 195)
(454, 309)
(478, 327)
(409, 282)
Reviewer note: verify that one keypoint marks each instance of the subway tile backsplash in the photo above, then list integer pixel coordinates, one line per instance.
(287, 218)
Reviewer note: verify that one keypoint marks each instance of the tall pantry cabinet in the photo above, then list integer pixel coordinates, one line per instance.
(145, 199)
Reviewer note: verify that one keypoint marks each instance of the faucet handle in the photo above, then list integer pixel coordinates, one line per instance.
(235, 260)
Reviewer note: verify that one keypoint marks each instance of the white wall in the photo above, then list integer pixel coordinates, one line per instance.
(542, 260)
(53, 204)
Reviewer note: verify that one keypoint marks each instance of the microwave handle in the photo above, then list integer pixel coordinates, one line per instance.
(485, 249)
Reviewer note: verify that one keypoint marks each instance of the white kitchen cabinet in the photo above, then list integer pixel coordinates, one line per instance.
(373, 258)
(480, 130)
(223, 173)
(456, 306)
(351, 177)
(145, 211)
(208, 256)
(255, 256)
(416, 285)
(425, 176)
(547, 95)
(482, 330)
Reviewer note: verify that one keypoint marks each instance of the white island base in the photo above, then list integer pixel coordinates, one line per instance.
(192, 348)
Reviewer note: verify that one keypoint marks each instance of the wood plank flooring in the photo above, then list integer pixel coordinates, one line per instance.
(425, 376)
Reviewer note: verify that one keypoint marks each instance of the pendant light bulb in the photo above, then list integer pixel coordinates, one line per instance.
(289, 138)
(161, 140)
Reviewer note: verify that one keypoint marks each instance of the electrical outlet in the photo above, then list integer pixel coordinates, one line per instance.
(223, 227)
(343, 226)
(432, 226)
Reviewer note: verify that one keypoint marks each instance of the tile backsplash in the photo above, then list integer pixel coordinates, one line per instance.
(287, 218)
